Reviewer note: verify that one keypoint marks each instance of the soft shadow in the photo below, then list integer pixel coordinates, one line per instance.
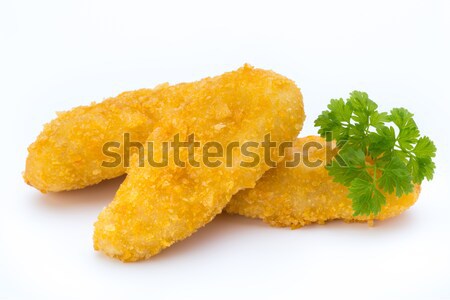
(100, 193)
(406, 219)
(400, 222)
(222, 226)
(226, 224)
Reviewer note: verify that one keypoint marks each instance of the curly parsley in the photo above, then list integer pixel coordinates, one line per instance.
(375, 158)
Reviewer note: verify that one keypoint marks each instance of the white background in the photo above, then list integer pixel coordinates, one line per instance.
(55, 55)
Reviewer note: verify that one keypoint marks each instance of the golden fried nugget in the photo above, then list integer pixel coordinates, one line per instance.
(157, 206)
(302, 195)
(68, 153)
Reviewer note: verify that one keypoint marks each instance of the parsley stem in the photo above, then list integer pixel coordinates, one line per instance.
(375, 174)
(374, 167)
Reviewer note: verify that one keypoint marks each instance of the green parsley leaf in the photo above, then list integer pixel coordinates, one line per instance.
(425, 148)
(401, 117)
(377, 119)
(381, 141)
(396, 177)
(409, 133)
(421, 168)
(367, 199)
(349, 165)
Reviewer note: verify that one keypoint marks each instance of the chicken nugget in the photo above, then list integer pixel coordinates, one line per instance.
(68, 153)
(305, 194)
(157, 206)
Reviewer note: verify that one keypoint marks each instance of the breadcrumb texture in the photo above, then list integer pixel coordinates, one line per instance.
(295, 197)
(155, 207)
(68, 154)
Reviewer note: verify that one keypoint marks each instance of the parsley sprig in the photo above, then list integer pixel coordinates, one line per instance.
(375, 157)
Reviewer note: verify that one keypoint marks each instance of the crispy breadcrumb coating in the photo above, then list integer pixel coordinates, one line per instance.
(68, 155)
(155, 207)
(295, 197)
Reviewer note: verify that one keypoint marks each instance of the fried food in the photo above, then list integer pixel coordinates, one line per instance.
(295, 197)
(157, 206)
(68, 154)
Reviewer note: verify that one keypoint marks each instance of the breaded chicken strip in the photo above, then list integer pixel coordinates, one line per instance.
(68, 154)
(296, 197)
(157, 206)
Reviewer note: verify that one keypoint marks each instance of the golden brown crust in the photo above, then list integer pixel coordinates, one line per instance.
(295, 197)
(156, 207)
(68, 155)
